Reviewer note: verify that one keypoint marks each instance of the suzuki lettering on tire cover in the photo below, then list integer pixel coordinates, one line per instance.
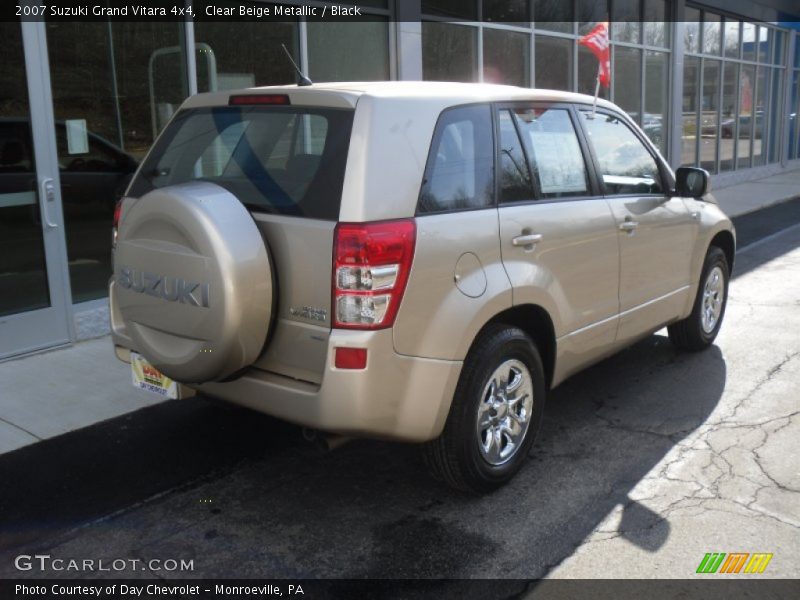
(193, 281)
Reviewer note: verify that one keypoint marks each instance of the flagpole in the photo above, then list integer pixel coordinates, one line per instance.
(596, 91)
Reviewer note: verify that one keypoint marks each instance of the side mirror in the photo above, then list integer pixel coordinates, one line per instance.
(691, 182)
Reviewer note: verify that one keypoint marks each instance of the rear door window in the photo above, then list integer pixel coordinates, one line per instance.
(554, 151)
(459, 171)
(515, 175)
(284, 160)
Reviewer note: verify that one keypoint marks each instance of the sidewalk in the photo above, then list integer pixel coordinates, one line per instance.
(49, 394)
(52, 393)
(753, 195)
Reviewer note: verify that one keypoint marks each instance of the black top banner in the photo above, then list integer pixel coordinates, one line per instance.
(180, 10)
(512, 13)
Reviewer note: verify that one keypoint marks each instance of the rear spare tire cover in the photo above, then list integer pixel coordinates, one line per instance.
(193, 281)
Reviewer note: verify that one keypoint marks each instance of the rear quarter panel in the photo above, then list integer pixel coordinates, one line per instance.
(437, 319)
(388, 149)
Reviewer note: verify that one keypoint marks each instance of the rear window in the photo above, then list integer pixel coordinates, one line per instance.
(282, 160)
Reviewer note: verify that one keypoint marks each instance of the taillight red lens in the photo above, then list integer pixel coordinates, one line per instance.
(117, 212)
(371, 264)
(115, 226)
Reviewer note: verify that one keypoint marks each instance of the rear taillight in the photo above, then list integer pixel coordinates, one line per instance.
(115, 226)
(371, 264)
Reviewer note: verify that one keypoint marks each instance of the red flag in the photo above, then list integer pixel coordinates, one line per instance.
(597, 41)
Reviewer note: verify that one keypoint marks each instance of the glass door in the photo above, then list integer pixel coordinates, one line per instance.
(35, 311)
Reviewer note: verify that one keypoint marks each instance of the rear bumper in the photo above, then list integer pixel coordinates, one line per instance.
(396, 397)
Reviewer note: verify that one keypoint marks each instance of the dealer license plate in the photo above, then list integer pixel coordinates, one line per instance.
(147, 377)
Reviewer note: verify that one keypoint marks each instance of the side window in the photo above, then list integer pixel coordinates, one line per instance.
(98, 158)
(626, 165)
(458, 174)
(515, 177)
(554, 151)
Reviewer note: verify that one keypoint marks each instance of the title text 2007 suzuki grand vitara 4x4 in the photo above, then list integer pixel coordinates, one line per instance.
(405, 260)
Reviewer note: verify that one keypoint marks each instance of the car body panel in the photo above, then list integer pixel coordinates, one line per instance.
(601, 287)
(446, 327)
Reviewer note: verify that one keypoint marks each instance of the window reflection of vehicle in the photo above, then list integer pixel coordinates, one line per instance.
(99, 175)
(728, 125)
(651, 125)
(92, 178)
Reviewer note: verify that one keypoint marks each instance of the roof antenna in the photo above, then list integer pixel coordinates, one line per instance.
(302, 80)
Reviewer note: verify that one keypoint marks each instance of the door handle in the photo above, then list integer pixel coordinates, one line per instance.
(528, 239)
(629, 226)
(49, 196)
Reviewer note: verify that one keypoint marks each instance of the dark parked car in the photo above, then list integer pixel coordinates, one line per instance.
(728, 125)
(98, 175)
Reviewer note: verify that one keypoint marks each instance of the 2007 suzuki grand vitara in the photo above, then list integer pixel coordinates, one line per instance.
(406, 260)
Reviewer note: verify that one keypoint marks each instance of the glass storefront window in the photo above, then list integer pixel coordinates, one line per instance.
(749, 41)
(348, 50)
(656, 90)
(746, 106)
(553, 15)
(761, 106)
(691, 83)
(553, 63)
(244, 54)
(513, 12)
(458, 9)
(506, 57)
(797, 50)
(627, 80)
(775, 116)
(691, 31)
(23, 274)
(712, 33)
(764, 43)
(626, 16)
(657, 22)
(588, 13)
(709, 117)
(732, 35)
(778, 47)
(449, 52)
(794, 124)
(114, 87)
(727, 132)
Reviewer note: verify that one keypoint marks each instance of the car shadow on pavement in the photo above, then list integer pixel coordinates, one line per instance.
(249, 498)
(777, 221)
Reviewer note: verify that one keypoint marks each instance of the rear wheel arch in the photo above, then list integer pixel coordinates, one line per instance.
(537, 323)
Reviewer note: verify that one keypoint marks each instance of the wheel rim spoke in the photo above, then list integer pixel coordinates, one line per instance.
(504, 413)
(713, 299)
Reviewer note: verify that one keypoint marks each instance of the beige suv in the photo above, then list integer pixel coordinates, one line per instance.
(405, 260)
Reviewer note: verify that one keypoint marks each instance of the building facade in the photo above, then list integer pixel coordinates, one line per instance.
(714, 84)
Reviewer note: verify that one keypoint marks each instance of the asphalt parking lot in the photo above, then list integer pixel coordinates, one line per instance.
(645, 462)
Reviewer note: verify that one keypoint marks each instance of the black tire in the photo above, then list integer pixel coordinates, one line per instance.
(454, 456)
(689, 333)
